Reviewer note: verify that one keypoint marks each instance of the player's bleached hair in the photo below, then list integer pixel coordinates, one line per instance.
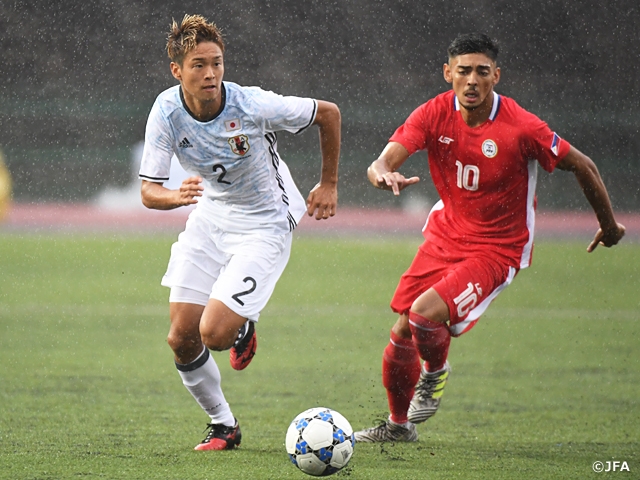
(185, 36)
(473, 43)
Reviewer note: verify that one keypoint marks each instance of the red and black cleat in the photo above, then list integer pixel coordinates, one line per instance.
(243, 352)
(221, 437)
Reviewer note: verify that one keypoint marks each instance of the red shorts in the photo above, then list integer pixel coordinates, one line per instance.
(467, 284)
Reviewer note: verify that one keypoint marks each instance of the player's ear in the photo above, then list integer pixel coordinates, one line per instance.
(446, 72)
(176, 71)
(496, 76)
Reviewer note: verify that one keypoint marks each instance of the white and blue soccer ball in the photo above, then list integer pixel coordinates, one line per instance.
(320, 441)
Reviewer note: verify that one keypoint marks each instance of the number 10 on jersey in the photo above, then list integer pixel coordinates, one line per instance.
(468, 176)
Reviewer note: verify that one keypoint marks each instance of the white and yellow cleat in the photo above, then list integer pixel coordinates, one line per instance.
(388, 431)
(429, 390)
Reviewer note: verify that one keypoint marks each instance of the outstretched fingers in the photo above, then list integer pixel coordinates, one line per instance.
(595, 242)
(395, 182)
(607, 238)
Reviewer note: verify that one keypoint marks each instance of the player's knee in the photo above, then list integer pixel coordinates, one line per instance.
(216, 338)
(431, 306)
(184, 344)
(401, 327)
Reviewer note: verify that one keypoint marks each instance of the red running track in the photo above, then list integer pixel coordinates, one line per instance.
(72, 218)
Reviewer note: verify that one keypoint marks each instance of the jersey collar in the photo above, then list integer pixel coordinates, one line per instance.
(222, 104)
(494, 109)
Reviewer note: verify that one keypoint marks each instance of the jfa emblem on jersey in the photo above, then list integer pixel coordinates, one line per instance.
(239, 144)
(489, 148)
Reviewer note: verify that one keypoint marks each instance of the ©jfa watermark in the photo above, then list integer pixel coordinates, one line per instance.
(610, 466)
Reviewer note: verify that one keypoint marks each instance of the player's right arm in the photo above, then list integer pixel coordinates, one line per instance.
(156, 196)
(586, 172)
(382, 173)
(155, 164)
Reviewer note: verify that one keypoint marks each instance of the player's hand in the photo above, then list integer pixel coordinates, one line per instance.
(607, 238)
(323, 200)
(189, 191)
(394, 181)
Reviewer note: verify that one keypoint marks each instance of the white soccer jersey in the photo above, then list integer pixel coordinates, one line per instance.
(247, 187)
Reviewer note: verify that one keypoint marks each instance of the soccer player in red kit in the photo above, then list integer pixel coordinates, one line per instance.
(483, 151)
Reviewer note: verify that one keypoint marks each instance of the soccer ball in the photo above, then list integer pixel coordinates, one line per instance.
(320, 441)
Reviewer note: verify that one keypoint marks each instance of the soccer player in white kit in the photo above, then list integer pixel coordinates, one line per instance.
(236, 244)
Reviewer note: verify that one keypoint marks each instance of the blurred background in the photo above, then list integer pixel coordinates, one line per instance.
(79, 78)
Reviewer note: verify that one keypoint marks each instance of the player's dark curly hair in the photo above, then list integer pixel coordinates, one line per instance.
(473, 43)
(185, 36)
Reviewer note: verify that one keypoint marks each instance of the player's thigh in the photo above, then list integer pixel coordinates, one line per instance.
(219, 325)
(247, 282)
(469, 287)
(431, 305)
(196, 259)
(425, 270)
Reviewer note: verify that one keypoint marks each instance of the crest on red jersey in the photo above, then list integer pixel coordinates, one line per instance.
(489, 148)
(239, 144)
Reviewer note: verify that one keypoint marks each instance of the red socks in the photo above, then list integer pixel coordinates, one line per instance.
(401, 361)
(432, 340)
(400, 373)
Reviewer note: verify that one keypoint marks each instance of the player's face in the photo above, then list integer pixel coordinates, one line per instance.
(472, 77)
(201, 75)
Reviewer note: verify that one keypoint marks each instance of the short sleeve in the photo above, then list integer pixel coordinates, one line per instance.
(413, 133)
(156, 156)
(545, 145)
(288, 113)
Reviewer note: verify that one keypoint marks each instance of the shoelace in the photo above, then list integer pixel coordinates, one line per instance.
(242, 342)
(213, 429)
(242, 332)
(387, 426)
(428, 384)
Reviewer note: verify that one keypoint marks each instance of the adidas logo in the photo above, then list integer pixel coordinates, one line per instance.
(185, 143)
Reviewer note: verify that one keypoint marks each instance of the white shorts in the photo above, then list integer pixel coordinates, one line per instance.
(240, 270)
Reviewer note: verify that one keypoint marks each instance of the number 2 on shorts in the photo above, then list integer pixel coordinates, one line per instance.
(237, 296)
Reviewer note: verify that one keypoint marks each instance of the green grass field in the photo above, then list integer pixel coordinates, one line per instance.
(546, 384)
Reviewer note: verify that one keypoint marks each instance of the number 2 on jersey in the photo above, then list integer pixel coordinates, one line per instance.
(468, 176)
(223, 172)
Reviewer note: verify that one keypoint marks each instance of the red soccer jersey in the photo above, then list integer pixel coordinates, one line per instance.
(486, 176)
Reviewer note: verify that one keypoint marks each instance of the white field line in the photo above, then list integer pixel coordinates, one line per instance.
(297, 312)
(84, 310)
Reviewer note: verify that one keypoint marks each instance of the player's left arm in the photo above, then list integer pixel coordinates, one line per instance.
(586, 172)
(323, 198)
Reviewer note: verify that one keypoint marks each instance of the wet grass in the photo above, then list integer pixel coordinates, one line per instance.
(545, 385)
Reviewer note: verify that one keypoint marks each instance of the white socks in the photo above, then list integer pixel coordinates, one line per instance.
(202, 379)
